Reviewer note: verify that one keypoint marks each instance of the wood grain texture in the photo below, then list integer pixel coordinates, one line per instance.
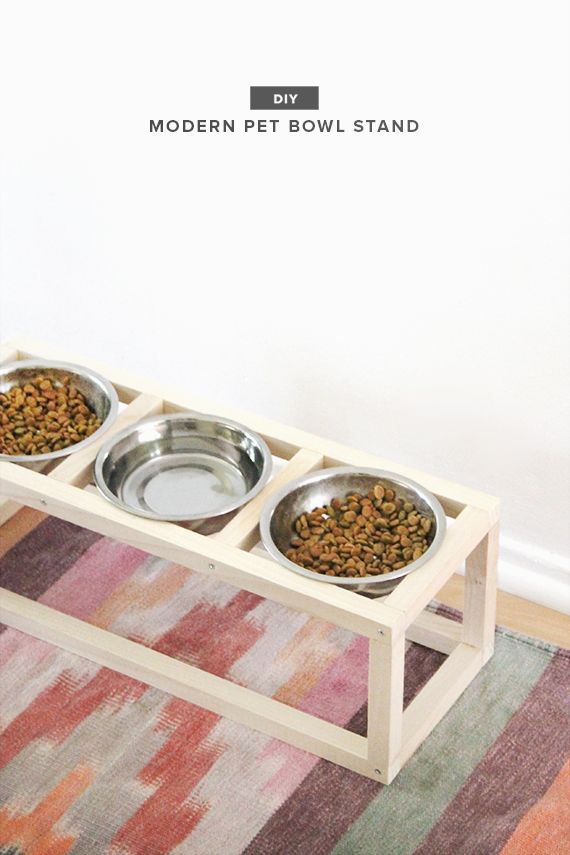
(481, 593)
(385, 704)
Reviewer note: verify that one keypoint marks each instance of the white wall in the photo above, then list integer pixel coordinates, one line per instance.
(407, 294)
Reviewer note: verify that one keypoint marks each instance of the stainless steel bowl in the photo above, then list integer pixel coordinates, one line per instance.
(99, 394)
(182, 467)
(312, 491)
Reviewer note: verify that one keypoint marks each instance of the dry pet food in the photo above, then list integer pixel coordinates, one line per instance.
(361, 535)
(44, 416)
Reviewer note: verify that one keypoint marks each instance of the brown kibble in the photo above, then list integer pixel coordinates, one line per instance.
(33, 417)
(347, 537)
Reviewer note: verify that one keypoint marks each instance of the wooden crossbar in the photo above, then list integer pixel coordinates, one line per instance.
(197, 552)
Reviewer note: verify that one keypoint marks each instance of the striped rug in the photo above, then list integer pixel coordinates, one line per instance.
(94, 763)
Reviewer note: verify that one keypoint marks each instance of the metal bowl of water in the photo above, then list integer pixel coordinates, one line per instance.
(99, 395)
(182, 467)
(315, 490)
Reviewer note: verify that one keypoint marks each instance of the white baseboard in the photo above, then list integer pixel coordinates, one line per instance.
(534, 573)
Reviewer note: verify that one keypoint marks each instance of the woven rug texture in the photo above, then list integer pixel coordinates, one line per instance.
(95, 763)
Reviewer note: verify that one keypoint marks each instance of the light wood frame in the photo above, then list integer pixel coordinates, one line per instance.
(393, 733)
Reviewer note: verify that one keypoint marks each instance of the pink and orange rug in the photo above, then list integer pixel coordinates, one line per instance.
(94, 763)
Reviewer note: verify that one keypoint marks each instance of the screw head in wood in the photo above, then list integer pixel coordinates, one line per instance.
(377, 772)
(380, 632)
(211, 566)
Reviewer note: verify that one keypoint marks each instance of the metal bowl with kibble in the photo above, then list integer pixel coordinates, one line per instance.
(281, 514)
(25, 414)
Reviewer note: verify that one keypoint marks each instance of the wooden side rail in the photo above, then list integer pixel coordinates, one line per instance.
(197, 552)
(187, 682)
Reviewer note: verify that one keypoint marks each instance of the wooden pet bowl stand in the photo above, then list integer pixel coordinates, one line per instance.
(393, 734)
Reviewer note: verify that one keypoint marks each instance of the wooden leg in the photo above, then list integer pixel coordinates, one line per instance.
(385, 705)
(481, 594)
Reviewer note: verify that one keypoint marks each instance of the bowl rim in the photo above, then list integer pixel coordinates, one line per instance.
(382, 474)
(108, 446)
(83, 371)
